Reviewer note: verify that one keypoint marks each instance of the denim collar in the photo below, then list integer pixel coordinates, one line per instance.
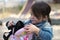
(40, 24)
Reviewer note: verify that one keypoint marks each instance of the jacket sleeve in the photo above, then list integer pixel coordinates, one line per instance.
(46, 33)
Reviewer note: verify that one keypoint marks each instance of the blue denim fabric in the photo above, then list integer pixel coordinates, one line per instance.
(46, 31)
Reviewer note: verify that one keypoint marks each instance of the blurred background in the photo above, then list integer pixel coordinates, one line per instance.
(11, 10)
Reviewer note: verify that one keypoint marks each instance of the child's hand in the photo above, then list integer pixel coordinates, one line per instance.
(30, 28)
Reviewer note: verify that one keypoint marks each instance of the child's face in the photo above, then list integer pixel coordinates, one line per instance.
(34, 19)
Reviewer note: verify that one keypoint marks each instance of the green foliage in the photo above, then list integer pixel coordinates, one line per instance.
(20, 7)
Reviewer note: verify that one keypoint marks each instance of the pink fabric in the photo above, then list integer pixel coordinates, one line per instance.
(13, 37)
(19, 32)
(21, 35)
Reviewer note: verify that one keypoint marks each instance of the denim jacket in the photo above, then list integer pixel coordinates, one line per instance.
(46, 31)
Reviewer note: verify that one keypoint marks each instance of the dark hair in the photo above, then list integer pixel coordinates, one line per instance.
(18, 26)
(41, 9)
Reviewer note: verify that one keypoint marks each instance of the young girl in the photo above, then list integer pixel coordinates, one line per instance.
(40, 23)
(17, 31)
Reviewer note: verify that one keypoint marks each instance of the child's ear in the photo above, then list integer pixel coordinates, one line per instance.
(9, 27)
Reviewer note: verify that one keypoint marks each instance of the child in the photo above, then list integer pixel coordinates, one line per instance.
(17, 31)
(13, 27)
(40, 22)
